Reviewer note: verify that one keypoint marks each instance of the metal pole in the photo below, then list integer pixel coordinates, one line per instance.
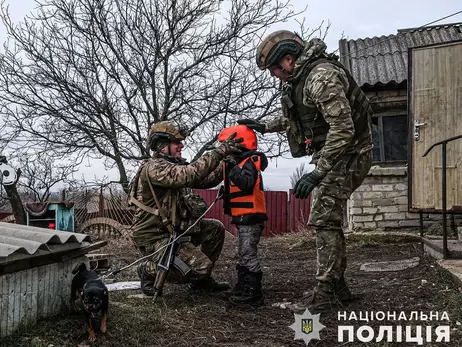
(445, 231)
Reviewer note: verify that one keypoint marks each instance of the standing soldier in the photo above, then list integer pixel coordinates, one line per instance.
(325, 115)
(161, 193)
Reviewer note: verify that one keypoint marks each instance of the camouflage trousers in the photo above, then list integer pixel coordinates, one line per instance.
(327, 212)
(200, 260)
(248, 238)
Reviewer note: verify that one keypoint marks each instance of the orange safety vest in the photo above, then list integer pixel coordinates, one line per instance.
(237, 202)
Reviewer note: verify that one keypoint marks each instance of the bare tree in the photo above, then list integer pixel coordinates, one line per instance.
(41, 175)
(90, 76)
(299, 172)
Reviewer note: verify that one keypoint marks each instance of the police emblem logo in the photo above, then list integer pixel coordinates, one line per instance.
(307, 326)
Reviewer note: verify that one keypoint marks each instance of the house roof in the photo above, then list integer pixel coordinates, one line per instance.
(383, 60)
(24, 241)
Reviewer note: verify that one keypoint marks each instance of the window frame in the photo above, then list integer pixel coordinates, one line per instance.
(380, 116)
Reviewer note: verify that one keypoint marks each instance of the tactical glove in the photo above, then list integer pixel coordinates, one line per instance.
(254, 125)
(230, 161)
(231, 145)
(307, 183)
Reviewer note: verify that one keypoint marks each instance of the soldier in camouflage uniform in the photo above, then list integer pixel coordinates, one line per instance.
(325, 115)
(168, 178)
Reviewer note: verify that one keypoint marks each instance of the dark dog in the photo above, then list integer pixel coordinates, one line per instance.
(94, 296)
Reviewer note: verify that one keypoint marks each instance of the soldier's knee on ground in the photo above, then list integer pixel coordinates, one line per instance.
(213, 228)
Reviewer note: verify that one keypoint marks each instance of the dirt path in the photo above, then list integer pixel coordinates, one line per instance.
(186, 319)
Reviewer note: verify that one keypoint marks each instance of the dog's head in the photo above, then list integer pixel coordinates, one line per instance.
(93, 298)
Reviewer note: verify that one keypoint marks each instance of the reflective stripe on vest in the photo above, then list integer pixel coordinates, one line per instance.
(238, 202)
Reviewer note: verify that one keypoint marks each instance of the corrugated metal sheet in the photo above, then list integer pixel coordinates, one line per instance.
(15, 238)
(383, 60)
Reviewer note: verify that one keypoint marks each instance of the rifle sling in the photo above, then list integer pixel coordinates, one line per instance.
(169, 224)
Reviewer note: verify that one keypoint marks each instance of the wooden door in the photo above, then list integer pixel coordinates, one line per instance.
(435, 114)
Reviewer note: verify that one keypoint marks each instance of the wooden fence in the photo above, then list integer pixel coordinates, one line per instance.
(285, 212)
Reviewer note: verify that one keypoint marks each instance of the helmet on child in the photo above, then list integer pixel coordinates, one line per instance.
(248, 135)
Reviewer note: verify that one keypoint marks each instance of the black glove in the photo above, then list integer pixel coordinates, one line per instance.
(231, 145)
(307, 183)
(230, 161)
(253, 124)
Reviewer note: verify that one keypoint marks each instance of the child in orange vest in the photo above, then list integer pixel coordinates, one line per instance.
(244, 201)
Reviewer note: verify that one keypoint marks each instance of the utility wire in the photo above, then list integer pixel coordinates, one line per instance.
(388, 38)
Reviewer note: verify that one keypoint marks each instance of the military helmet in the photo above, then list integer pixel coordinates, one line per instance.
(165, 131)
(275, 46)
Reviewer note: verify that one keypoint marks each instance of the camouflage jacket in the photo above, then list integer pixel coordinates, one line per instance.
(331, 93)
(169, 176)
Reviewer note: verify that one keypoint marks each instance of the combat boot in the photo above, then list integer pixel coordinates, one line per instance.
(342, 291)
(322, 299)
(239, 286)
(252, 293)
(208, 284)
(147, 281)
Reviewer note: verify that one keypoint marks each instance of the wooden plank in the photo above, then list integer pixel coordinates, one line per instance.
(17, 300)
(4, 299)
(47, 293)
(41, 292)
(53, 288)
(22, 297)
(11, 285)
(34, 295)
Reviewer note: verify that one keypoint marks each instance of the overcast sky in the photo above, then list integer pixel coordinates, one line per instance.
(354, 18)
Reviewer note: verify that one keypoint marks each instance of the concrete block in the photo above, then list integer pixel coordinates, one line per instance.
(370, 225)
(396, 194)
(370, 210)
(388, 171)
(382, 187)
(410, 215)
(408, 223)
(394, 216)
(388, 209)
(356, 210)
(363, 218)
(361, 203)
(400, 186)
(382, 202)
(372, 195)
(400, 200)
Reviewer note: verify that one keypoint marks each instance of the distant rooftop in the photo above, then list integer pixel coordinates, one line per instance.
(383, 60)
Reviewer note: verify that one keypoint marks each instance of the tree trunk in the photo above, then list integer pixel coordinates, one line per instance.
(16, 202)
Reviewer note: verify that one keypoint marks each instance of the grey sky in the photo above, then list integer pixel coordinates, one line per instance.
(355, 18)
